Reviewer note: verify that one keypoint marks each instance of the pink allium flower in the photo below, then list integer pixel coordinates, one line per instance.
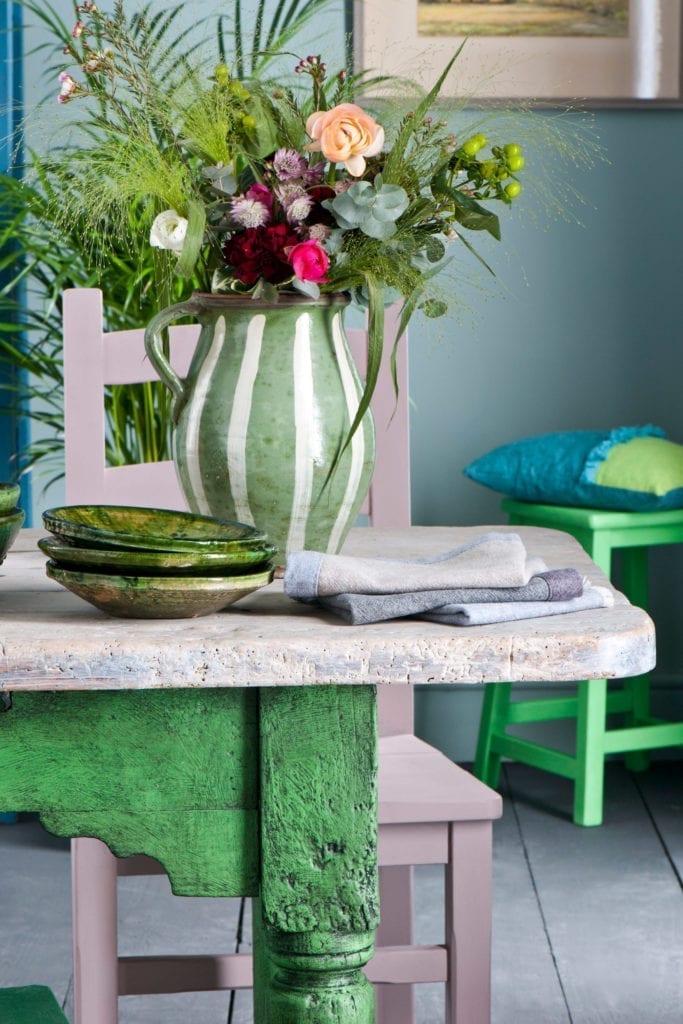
(289, 164)
(320, 232)
(299, 208)
(314, 174)
(249, 213)
(309, 261)
(288, 192)
(263, 195)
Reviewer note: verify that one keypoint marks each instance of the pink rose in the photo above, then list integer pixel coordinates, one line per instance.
(310, 261)
(345, 134)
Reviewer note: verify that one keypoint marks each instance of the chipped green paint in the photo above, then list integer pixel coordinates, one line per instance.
(319, 896)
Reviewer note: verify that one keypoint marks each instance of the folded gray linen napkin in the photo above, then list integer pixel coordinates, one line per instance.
(490, 560)
(511, 611)
(489, 579)
(556, 585)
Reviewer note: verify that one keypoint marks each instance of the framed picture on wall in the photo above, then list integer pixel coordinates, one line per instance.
(594, 52)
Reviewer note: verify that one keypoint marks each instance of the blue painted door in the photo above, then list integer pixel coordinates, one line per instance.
(13, 429)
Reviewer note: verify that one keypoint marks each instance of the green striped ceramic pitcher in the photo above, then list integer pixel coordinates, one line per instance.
(267, 403)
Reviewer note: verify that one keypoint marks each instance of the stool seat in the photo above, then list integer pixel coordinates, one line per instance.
(600, 532)
(31, 1004)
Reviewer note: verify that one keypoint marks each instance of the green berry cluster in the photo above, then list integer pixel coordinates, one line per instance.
(239, 96)
(490, 177)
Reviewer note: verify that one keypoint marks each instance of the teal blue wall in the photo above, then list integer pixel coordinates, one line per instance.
(585, 332)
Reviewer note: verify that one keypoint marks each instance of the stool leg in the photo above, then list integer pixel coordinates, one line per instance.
(635, 586)
(494, 714)
(590, 752)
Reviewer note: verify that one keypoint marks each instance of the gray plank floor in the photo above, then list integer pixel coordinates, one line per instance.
(588, 923)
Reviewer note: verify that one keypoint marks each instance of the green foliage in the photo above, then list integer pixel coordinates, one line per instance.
(49, 242)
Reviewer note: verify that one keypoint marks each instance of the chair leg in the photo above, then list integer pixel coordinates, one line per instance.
(395, 1004)
(468, 923)
(93, 884)
(590, 752)
(493, 720)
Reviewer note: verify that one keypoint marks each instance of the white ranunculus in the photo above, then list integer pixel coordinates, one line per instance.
(168, 231)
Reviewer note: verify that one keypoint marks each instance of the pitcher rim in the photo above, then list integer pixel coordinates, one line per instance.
(210, 299)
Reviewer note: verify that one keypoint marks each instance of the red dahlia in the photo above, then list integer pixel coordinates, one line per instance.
(260, 252)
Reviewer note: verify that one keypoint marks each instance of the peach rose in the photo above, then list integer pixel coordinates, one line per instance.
(345, 135)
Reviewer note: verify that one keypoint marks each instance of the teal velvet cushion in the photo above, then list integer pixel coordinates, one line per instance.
(634, 469)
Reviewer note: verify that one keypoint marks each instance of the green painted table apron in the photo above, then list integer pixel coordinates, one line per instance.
(240, 749)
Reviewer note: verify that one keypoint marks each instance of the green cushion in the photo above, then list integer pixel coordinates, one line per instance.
(632, 469)
(650, 464)
(32, 1004)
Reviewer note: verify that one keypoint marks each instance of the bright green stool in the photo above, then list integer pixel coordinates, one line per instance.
(600, 533)
(33, 1004)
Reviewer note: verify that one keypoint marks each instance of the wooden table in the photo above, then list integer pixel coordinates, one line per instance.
(239, 749)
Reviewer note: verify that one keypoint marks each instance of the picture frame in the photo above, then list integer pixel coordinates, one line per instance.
(640, 68)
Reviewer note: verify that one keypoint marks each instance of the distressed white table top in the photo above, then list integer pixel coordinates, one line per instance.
(52, 640)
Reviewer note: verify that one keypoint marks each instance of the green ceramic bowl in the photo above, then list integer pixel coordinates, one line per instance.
(9, 495)
(158, 597)
(245, 558)
(147, 529)
(9, 528)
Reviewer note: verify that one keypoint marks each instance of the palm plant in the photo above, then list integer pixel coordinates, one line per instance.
(46, 252)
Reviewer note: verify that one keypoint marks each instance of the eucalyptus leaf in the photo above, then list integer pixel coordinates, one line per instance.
(370, 208)
(309, 288)
(222, 179)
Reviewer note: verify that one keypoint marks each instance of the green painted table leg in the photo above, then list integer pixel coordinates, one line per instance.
(175, 774)
(169, 773)
(319, 887)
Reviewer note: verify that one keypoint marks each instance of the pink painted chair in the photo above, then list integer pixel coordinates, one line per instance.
(430, 810)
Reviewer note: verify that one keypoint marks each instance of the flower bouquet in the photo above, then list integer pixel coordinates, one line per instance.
(248, 186)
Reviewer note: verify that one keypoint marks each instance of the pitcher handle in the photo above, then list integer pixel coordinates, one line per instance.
(157, 356)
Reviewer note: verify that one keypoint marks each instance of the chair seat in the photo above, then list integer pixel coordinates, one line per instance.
(31, 1004)
(417, 783)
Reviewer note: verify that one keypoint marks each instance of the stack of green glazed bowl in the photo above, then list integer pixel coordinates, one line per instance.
(148, 563)
(11, 517)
